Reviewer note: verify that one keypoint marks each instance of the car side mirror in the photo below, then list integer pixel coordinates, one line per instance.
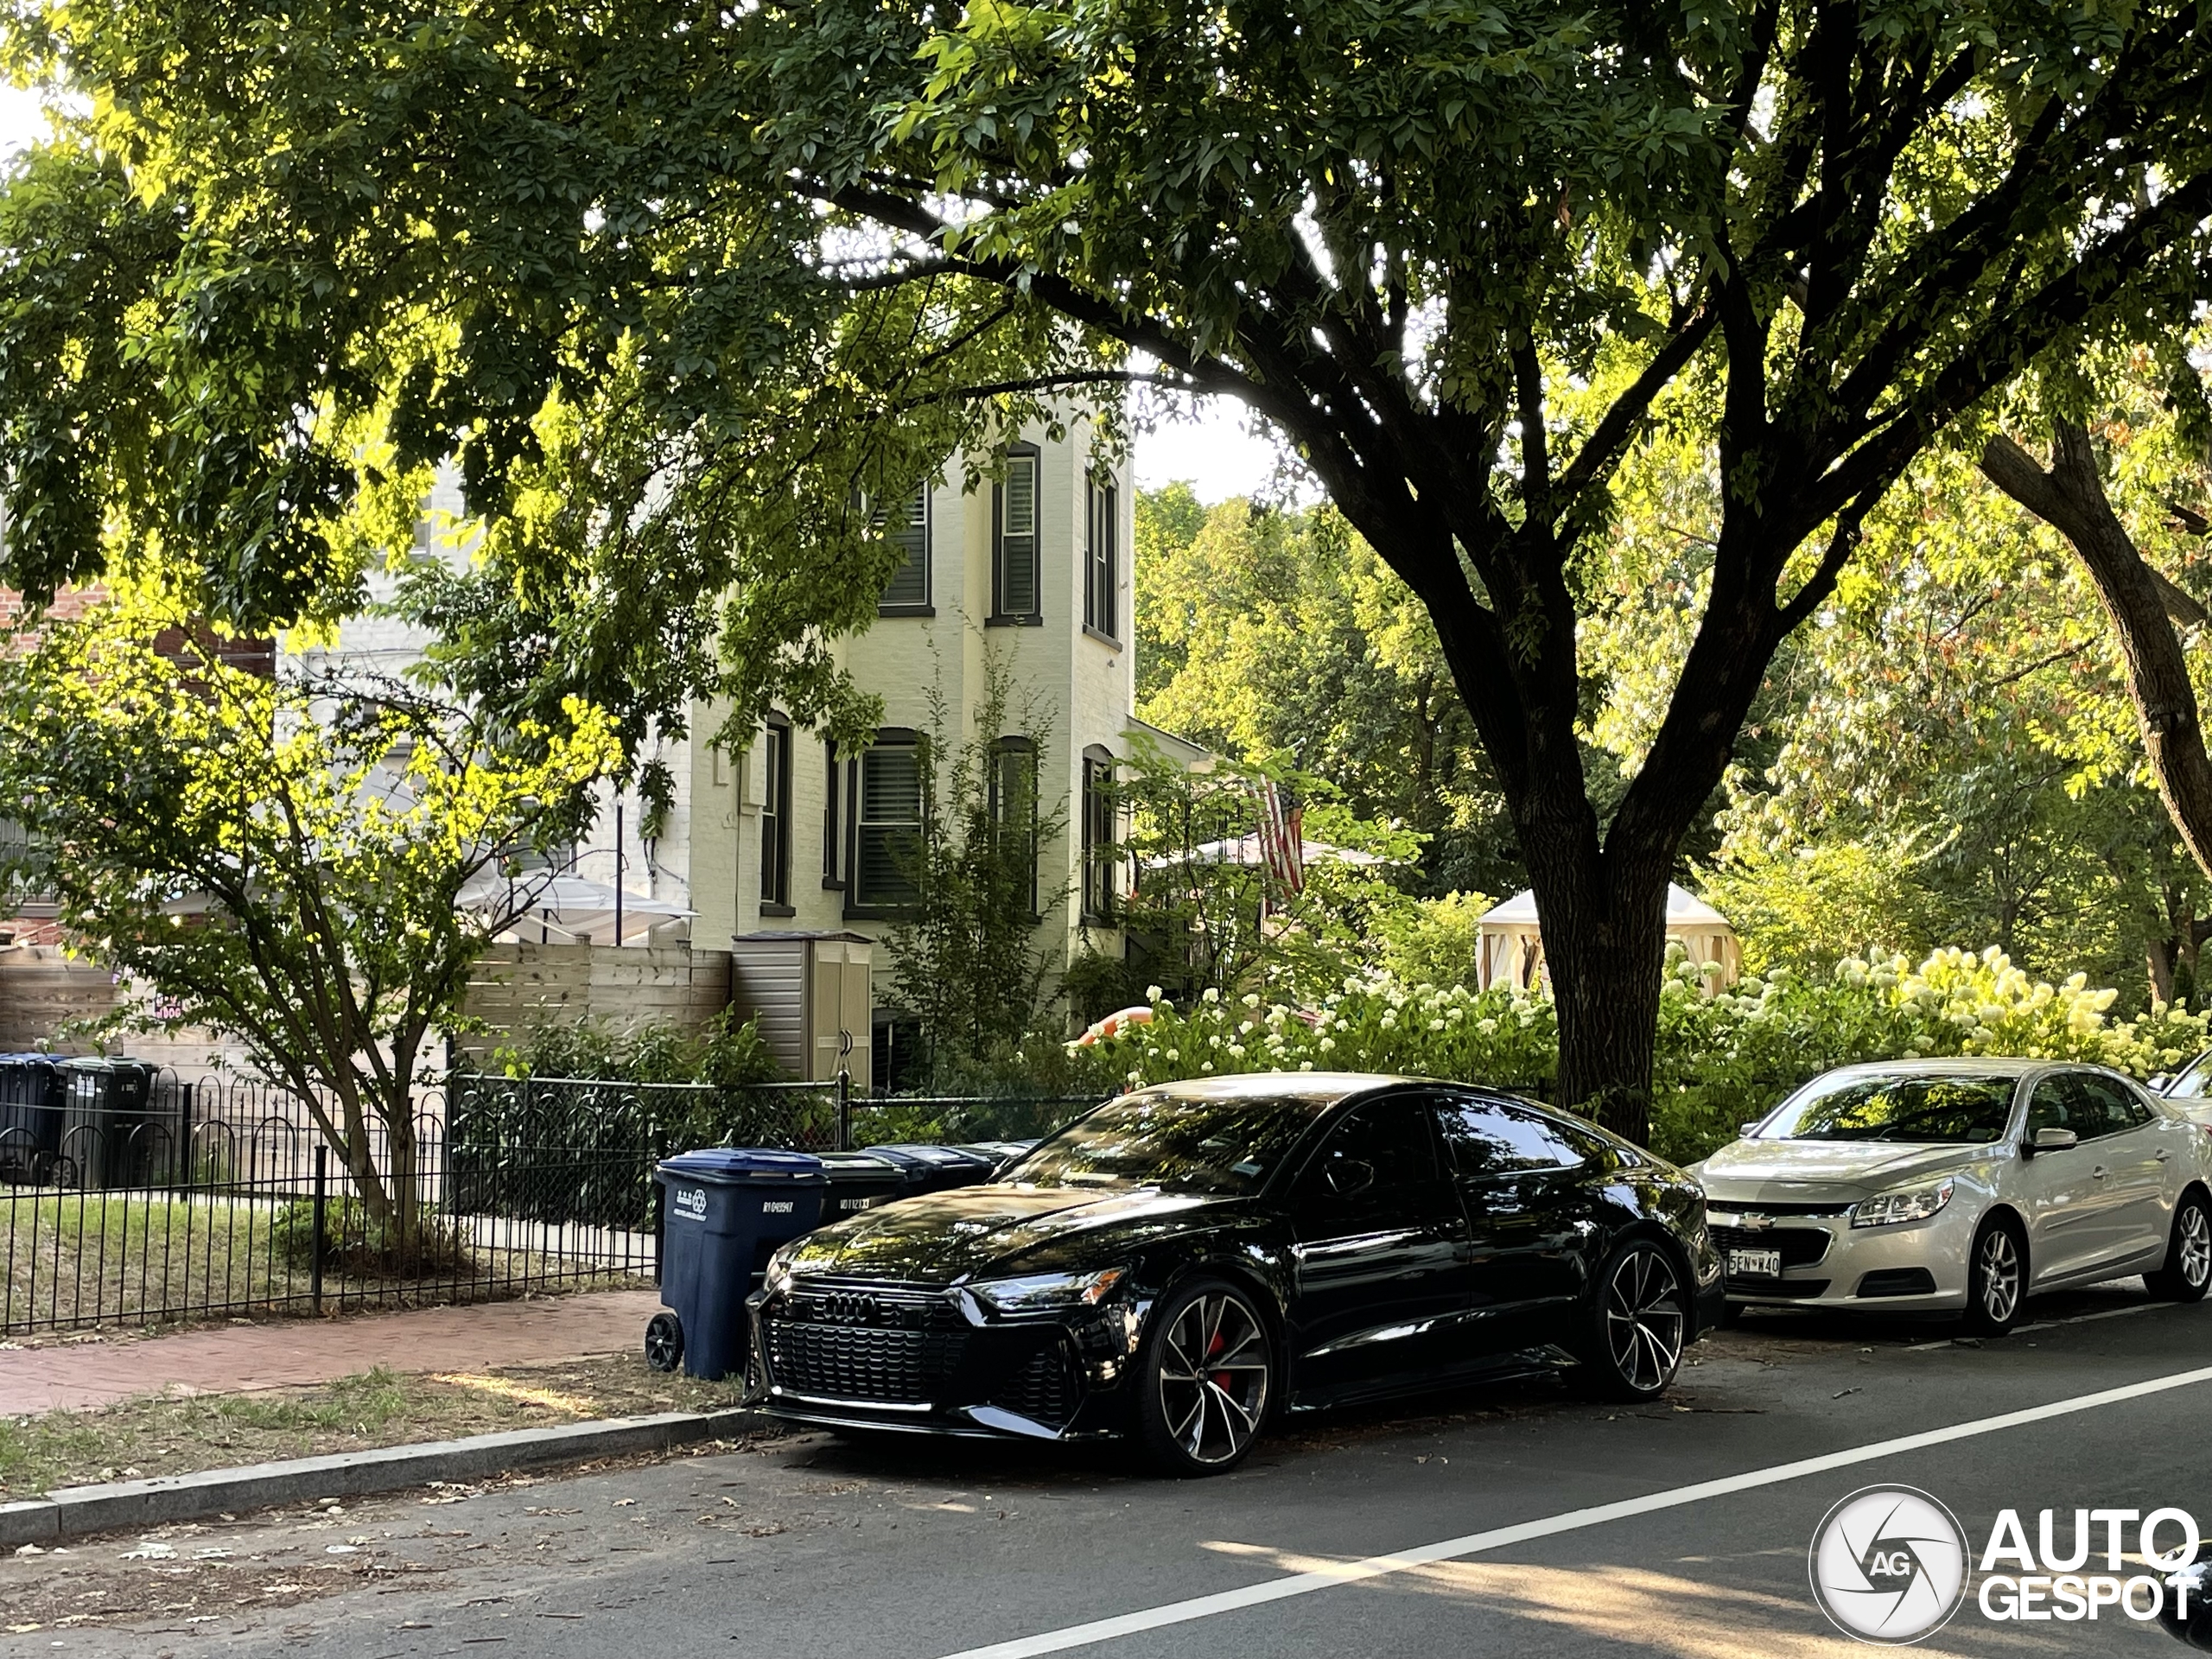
(2158, 1082)
(2049, 1138)
(1349, 1177)
(1748, 1127)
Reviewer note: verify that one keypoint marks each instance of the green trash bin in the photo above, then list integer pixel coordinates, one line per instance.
(858, 1181)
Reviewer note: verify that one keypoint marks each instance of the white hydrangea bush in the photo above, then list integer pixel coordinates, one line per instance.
(1721, 1059)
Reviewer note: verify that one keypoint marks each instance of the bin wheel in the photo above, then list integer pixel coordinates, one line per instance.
(664, 1342)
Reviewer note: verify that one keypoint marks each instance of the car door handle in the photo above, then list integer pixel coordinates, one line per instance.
(2165, 1153)
(2097, 1173)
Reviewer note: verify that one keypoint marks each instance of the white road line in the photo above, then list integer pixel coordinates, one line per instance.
(1474, 1543)
(2048, 1324)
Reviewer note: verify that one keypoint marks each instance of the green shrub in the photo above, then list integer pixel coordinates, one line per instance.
(1436, 941)
(723, 1053)
(423, 1245)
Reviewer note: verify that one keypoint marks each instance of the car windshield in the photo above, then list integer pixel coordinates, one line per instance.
(2194, 1083)
(1181, 1144)
(1921, 1107)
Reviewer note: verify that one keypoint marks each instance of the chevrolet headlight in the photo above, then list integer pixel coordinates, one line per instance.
(777, 1279)
(1036, 1293)
(1906, 1204)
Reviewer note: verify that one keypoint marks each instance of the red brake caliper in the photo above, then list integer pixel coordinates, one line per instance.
(1220, 1378)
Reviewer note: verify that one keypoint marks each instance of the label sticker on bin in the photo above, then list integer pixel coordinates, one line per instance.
(776, 1207)
(690, 1203)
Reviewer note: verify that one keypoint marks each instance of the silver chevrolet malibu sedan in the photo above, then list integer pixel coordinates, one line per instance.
(1961, 1184)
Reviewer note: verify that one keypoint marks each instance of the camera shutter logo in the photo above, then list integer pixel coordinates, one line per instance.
(1888, 1565)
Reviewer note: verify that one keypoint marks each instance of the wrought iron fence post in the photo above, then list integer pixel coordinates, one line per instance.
(660, 1220)
(321, 1191)
(844, 1110)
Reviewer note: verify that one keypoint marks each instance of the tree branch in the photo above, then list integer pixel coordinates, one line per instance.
(2071, 497)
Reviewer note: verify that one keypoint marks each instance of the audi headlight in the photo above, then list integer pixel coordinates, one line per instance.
(1906, 1204)
(1038, 1291)
(777, 1279)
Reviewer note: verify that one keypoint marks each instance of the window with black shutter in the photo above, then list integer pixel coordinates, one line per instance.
(1098, 836)
(1013, 815)
(908, 526)
(888, 823)
(833, 815)
(1101, 558)
(1016, 580)
(776, 817)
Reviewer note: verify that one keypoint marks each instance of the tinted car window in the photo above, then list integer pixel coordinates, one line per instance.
(2063, 1102)
(1486, 1138)
(1920, 1107)
(1183, 1143)
(1392, 1136)
(2118, 1104)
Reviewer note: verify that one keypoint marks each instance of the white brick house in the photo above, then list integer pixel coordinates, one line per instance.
(1033, 569)
(788, 838)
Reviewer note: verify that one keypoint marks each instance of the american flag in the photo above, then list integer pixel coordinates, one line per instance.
(1281, 838)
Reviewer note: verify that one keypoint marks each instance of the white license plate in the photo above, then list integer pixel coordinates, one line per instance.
(1755, 1264)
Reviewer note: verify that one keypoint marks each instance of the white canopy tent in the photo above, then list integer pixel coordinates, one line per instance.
(567, 909)
(1512, 943)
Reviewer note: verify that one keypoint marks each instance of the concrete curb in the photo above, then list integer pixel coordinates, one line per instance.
(76, 1510)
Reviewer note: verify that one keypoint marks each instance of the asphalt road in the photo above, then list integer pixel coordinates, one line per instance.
(812, 1547)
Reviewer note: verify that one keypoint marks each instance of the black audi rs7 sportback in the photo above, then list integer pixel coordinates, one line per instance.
(1182, 1262)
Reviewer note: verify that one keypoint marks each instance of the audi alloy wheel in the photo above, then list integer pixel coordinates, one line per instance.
(1207, 1379)
(1643, 1320)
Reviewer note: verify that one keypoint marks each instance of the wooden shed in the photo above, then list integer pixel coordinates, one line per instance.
(1512, 943)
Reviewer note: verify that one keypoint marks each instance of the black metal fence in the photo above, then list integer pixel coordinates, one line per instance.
(133, 1196)
(490, 1111)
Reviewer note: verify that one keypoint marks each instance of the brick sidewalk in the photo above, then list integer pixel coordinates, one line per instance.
(238, 1357)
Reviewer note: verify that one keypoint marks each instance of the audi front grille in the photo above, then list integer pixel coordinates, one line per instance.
(866, 1343)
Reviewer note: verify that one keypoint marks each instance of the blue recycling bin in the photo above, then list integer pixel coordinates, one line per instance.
(1000, 1153)
(723, 1212)
(933, 1169)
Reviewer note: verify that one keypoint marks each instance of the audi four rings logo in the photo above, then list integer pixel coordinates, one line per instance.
(1888, 1565)
(850, 1307)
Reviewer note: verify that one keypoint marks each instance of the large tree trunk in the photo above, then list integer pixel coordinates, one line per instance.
(1601, 890)
(2159, 961)
(1602, 904)
(1605, 940)
(2071, 498)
